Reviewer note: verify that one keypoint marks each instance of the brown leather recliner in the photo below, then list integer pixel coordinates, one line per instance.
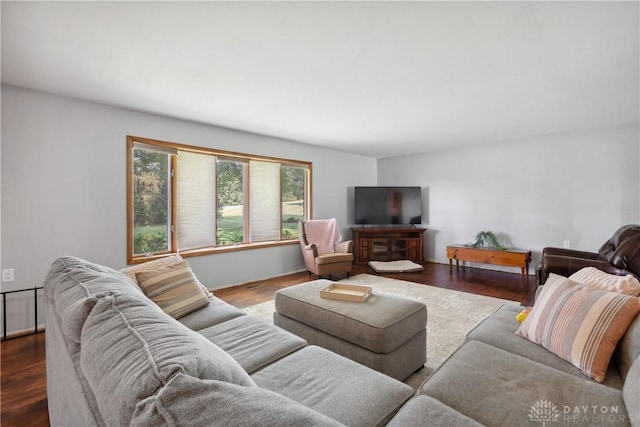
(619, 255)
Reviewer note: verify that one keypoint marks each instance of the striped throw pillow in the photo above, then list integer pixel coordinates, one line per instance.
(579, 324)
(159, 263)
(174, 288)
(594, 278)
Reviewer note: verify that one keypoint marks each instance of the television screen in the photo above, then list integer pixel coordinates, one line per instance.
(388, 205)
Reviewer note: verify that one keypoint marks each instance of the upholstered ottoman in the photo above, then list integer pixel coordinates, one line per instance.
(386, 332)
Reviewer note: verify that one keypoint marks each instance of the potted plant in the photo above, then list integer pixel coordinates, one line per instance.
(486, 239)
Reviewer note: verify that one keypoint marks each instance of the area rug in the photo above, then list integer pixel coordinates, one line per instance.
(450, 315)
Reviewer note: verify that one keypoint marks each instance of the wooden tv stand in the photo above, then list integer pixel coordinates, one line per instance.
(388, 244)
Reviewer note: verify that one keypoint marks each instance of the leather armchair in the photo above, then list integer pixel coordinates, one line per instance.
(323, 254)
(619, 255)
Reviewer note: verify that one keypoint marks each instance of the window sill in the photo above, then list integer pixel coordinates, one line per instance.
(216, 250)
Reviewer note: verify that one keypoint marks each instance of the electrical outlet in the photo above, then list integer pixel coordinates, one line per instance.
(566, 244)
(8, 275)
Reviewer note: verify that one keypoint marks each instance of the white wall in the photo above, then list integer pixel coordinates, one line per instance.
(533, 193)
(64, 184)
(63, 189)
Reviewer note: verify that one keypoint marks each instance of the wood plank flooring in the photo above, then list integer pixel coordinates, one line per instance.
(23, 389)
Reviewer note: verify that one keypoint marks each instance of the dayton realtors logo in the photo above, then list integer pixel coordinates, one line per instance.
(544, 411)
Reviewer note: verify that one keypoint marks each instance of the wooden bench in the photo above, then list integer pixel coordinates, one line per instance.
(507, 257)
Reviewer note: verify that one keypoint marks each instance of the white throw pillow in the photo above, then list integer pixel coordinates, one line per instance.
(598, 279)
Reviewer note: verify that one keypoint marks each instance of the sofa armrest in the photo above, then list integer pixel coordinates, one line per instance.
(344, 247)
(566, 266)
(569, 253)
(310, 251)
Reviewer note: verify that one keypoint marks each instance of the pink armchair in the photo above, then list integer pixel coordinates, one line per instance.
(322, 250)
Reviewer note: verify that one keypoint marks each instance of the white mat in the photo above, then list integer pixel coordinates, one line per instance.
(402, 266)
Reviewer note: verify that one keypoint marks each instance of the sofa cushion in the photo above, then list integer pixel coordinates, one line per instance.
(499, 330)
(74, 285)
(216, 312)
(130, 349)
(579, 324)
(251, 342)
(158, 263)
(631, 393)
(496, 387)
(174, 288)
(595, 278)
(335, 386)
(185, 400)
(425, 410)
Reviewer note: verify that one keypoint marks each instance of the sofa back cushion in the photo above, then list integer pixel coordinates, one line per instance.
(185, 400)
(131, 349)
(628, 349)
(73, 286)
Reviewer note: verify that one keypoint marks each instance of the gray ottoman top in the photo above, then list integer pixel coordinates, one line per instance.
(381, 324)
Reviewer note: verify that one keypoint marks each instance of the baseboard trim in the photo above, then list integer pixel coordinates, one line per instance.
(23, 332)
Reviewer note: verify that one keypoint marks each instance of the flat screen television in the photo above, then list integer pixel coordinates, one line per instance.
(388, 205)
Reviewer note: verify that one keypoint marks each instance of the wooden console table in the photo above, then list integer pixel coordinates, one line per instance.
(508, 257)
(388, 244)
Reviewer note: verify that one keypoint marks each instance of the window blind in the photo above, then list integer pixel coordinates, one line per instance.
(264, 201)
(196, 200)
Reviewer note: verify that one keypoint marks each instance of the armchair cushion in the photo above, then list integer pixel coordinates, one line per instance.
(333, 258)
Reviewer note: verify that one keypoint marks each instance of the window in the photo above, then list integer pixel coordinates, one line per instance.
(294, 185)
(194, 200)
(230, 201)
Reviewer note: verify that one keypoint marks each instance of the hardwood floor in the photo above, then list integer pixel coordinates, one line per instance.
(23, 386)
(23, 383)
(474, 280)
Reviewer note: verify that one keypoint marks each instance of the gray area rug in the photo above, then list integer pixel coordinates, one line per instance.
(450, 315)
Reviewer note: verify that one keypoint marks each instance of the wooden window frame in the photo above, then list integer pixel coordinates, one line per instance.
(139, 258)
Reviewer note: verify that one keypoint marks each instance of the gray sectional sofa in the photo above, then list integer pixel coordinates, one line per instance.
(114, 358)
(497, 378)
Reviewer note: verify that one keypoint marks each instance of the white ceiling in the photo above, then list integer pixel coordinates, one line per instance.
(376, 78)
